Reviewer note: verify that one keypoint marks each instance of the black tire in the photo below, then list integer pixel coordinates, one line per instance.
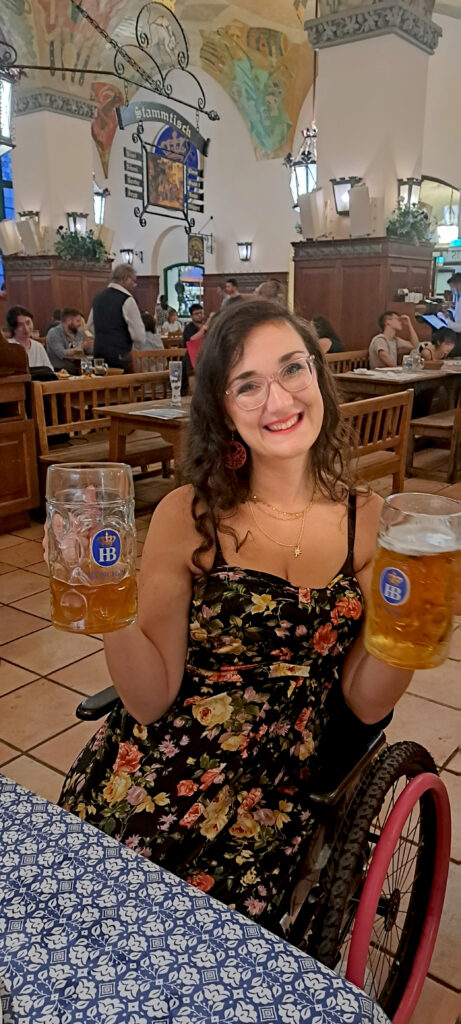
(344, 875)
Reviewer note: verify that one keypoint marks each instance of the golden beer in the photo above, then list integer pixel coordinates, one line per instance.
(413, 632)
(91, 546)
(93, 609)
(414, 581)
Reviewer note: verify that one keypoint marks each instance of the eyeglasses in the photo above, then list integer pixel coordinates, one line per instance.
(254, 391)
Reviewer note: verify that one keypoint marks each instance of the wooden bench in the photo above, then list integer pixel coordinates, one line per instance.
(154, 359)
(66, 408)
(341, 362)
(378, 430)
(445, 426)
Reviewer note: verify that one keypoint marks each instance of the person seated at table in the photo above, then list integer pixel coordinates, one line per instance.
(253, 583)
(152, 339)
(440, 346)
(171, 324)
(54, 322)
(196, 323)
(67, 343)
(21, 325)
(386, 346)
(327, 337)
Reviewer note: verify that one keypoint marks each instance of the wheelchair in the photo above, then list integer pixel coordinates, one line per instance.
(369, 896)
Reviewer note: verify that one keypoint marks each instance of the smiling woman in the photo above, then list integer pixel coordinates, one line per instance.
(251, 598)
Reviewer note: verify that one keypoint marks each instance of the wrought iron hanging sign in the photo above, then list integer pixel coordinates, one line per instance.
(165, 174)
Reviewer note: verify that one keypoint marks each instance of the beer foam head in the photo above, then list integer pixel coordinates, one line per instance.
(419, 538)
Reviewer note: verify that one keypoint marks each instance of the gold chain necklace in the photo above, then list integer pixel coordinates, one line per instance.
(280, 513)
(296, 548)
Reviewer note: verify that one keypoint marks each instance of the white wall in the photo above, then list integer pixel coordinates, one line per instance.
(442, 135)
(53, 166)
(370, 111)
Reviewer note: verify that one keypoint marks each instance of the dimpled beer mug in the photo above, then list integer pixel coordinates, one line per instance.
(91, 546)
(410, 611)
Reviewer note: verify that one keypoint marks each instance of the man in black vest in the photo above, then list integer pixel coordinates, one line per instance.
(115, 319)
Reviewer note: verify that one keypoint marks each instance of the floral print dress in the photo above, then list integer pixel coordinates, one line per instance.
(215, 790)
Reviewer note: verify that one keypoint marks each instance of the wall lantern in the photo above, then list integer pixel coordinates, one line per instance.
(409, 191)
(29, 215)
(6, 108)
(341, 189)
(303, 167)
(77, 222)
(244, 251)
(99, 202)
(128, 255)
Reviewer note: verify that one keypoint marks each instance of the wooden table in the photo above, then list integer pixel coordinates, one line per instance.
(128, 417)
(356, 385)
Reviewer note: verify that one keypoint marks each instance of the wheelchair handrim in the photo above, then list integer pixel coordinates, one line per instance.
(366, 911)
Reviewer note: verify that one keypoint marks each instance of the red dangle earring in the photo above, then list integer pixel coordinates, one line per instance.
(236, 455)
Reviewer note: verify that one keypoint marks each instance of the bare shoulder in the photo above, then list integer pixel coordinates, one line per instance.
(369, 506)
(173, 515)
(172, 532)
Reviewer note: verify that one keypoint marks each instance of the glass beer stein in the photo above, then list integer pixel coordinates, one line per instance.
(91, 546)
(410, 610)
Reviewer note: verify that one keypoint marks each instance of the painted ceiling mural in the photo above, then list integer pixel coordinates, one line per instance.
(256, 50)
(266, 75)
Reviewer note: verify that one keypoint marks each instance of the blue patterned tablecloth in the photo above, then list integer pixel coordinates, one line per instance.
(91, 932)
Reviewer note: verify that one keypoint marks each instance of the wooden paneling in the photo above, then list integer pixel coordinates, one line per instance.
(361, 295)
(44, 283)
(19, 478)
(316, 290)
(146, 292)
(352, 281)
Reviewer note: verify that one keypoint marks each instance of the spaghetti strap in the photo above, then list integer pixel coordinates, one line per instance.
(348, 566)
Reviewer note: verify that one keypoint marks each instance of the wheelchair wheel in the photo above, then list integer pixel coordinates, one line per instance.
(385, 881)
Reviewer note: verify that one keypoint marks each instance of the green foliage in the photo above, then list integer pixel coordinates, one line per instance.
(410, 223)
(70, 245)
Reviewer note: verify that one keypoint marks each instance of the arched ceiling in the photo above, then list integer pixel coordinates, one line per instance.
(256, 50)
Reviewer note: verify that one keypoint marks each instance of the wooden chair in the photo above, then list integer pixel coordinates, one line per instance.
(445, 426)
(65, 408)
(378, 434)
(341, 362)
(154, 359)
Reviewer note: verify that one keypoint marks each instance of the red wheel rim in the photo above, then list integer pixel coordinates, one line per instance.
(366, 911)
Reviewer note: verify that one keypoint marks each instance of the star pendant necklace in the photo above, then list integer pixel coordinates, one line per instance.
(295, 548)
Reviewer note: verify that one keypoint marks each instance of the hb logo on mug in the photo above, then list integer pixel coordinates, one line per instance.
(105, 547)
(394, 586)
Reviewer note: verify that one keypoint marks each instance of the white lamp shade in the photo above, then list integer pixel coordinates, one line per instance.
(6, 102)
(77, 222)
(10, 239)
(244, 251)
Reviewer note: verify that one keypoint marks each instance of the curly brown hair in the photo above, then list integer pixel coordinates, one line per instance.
(217, 489)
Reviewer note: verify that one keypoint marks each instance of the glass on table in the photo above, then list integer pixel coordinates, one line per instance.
(100, 367)
(175, 372)
(87, 366)
(414, 582)
(91, 546)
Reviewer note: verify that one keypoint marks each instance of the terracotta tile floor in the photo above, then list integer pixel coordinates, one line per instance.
(44, 673)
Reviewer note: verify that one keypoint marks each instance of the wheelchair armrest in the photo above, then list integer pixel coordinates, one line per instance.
(99, 705)
(329, 785)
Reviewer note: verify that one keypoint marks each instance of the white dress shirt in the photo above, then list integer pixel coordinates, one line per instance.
(131, 316)
(456, 310)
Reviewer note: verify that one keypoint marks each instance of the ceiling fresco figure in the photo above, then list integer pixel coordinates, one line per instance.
(266, 75)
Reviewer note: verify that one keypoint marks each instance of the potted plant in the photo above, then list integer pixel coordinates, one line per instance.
(70, 245)
(410, 224)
